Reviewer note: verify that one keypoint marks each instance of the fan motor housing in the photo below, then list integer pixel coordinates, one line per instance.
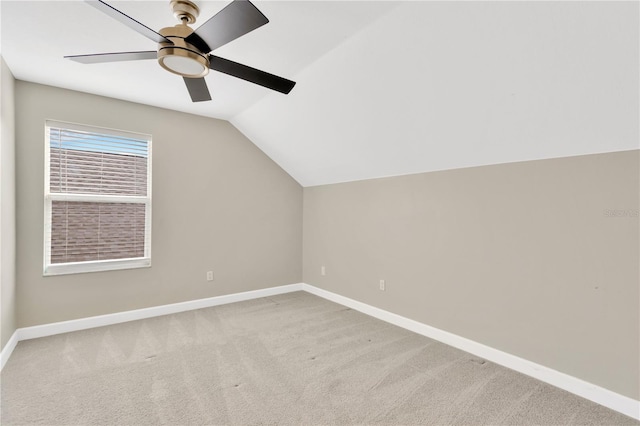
(181, 58)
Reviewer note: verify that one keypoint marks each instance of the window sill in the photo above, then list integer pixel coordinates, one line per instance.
(96, 266)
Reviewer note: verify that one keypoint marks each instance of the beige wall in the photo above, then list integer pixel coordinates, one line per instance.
(219, 204)
(522, 257)
(7, 206)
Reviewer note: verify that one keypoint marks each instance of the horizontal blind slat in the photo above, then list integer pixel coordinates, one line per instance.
(94, 157)
(97, 141)
(88, 138)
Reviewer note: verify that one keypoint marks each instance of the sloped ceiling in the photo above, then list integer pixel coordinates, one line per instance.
(432, 86)
(384, 88)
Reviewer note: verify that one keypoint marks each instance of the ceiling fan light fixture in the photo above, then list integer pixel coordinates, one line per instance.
(184, 62)
(180, 57)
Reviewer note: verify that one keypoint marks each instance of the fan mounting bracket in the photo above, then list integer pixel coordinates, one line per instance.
(185, 11)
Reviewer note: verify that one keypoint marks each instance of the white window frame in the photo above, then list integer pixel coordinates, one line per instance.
(93, 265)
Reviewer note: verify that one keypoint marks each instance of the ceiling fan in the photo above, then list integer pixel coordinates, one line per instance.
(186, 52)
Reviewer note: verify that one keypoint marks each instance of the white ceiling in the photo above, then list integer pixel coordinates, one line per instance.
(384, 88)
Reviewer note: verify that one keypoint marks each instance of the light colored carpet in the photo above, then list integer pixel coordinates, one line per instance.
(290, 359)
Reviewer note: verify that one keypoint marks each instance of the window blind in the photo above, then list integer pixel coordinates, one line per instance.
(97, 199)
(90, 163)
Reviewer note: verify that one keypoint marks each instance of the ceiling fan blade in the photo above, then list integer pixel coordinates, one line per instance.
(98, 58)
(236, 19)
(253, 75)
(198, 89)
(128, 21)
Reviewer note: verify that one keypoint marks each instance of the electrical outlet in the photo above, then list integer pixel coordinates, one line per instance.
(209, 275)
(323, 271)
(382, 285)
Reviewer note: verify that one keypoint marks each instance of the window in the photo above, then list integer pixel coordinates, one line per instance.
(97, 199)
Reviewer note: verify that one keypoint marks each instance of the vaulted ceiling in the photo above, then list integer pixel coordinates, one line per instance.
(383, 88)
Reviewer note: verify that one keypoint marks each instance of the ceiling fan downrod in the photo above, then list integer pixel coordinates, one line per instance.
(180, 57)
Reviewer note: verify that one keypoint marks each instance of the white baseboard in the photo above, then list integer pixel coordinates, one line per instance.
(155, 311)
(44, 330)
(8, 349)
(597, 394)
